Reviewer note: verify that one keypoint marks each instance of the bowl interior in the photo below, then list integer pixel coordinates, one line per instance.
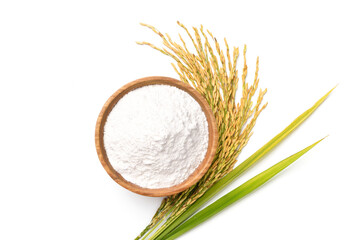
(201, 169)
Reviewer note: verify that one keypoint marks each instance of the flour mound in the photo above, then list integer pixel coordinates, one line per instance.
(156, 136)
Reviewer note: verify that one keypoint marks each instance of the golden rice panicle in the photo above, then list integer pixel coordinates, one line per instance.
(214, 74)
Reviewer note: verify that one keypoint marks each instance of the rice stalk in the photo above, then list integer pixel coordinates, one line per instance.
(214, 74)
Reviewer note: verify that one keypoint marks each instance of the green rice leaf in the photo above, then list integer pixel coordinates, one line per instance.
(226, 180)
(236, 194)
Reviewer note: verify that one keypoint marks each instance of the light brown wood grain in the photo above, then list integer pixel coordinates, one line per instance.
(195, 176)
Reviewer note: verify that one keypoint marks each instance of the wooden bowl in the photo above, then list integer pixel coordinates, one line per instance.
(201, 169)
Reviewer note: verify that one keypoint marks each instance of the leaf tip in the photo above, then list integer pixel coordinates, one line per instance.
(320, 140)
(331, 90)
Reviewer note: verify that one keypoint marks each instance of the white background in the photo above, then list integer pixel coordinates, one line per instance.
(61, 60)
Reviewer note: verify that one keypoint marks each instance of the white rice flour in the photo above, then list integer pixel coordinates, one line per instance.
(156, 136)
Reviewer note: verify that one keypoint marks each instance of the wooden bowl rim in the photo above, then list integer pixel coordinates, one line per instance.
(201, 169)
